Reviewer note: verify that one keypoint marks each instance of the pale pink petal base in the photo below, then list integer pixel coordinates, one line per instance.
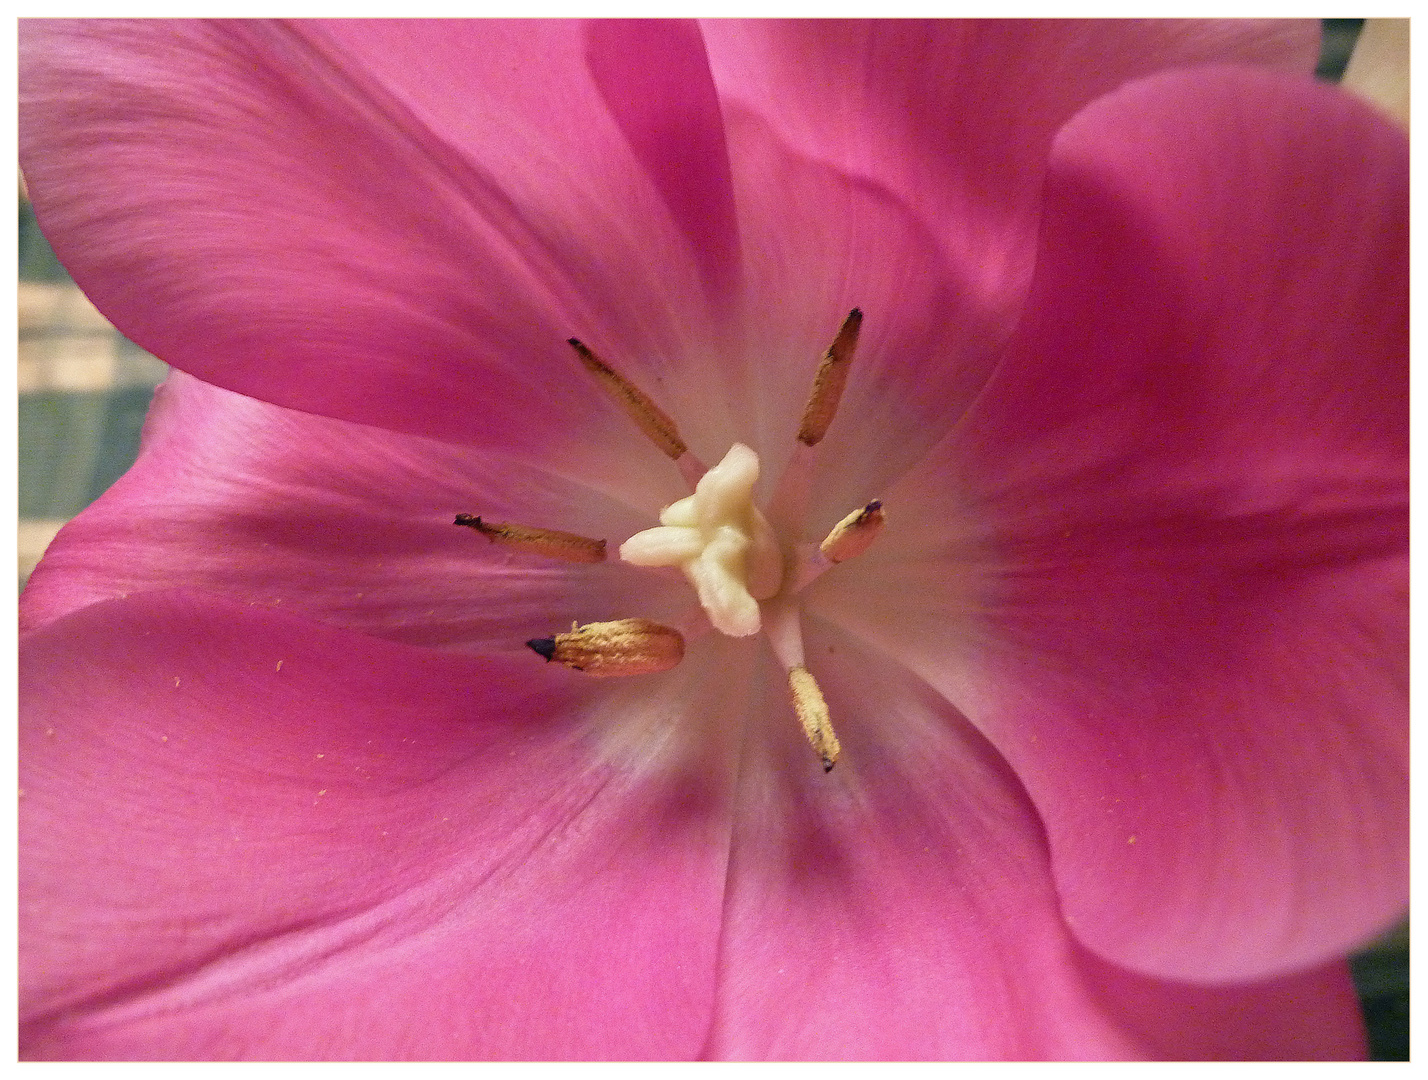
(246, 835)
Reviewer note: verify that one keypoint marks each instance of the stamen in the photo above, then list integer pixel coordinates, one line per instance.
(548, 542)
(812, 713)
(829, 382)
(850, 537)
(853, 535)
(608, 649)
(785, 633)
(651, 419)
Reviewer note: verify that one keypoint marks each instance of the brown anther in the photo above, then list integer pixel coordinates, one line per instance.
(548, 542)
(812, 713)
(608, 649)
(828, 383)
(853, 535)
(644, 412)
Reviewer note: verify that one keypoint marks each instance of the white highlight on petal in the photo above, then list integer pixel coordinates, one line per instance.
(721, 541)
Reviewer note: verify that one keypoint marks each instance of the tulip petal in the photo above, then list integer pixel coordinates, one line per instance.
(1162, 563)
(397, 222)
(902, 906)
(827, 243)
(896, 166)
(956, 117)
(352, 525)
(393, 222)
(246, 835)
(1308, 1016)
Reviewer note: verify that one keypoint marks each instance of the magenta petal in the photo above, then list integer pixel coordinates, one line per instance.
(669, 113)
(398, 222)
(392, 222)
(354, 525)
(1308, 1016)
(902, 906)
(244, 835)
(1175, 528)
(826, 243)
(955, 118)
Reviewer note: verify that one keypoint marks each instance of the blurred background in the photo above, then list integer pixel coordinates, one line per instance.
(84, 389)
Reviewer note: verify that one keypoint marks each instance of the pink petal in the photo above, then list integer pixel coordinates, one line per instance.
(955, 118)
(353, 525)
(902, 906)
(245, 835)
(1166, 573)
(392, 222)
(870, 172)
(827, 243)
(1308, 1016)
(396, 222)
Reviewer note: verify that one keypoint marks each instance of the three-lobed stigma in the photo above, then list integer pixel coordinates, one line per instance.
(721, 541)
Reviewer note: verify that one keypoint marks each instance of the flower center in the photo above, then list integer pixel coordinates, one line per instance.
(721, 541)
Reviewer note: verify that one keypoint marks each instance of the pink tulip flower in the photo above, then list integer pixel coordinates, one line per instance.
(1114, 704)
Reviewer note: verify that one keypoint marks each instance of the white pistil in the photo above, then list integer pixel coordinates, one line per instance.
(721, 541)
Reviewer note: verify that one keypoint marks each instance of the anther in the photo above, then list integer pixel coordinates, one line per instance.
(812, 713)
(828, 383)
(548, 542)
(609, 649)
(853, 535)
(651, 419)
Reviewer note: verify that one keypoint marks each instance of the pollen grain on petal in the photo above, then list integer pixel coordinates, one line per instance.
(829, 382)
(611, 649)
(653, 421)
(548, 542)
(812, 712)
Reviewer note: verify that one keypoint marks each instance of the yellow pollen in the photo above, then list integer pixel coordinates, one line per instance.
(548, 542)
(608, 649)
(812, 713)
(651, 419)
(854, 534)
(828, 383)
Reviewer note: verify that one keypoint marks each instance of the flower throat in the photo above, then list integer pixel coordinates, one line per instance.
(745, 579)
